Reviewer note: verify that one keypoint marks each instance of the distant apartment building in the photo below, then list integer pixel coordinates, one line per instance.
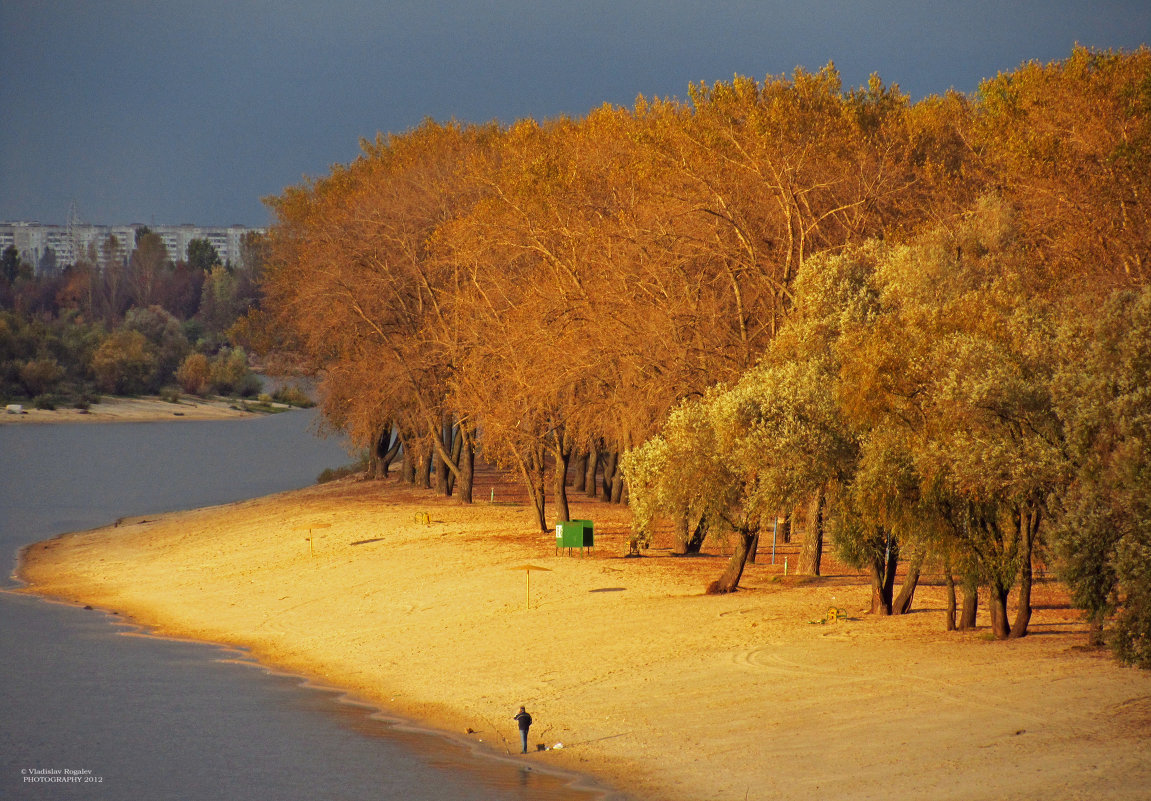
(82, 241)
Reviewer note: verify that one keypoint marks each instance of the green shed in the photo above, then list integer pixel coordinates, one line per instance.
(575, 534)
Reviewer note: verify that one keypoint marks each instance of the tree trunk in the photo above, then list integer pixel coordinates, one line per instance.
(441, 455)
(617, 486)
(382, 453)
(1095, 633)
(997, 605)
(812, 553)
(784, 532)
(590, 484)
(1029, 527)
(902, 604)
(447, 449)
(695, 541)
(753, 548)
(561, 453)
(457, 452)
(970, 603)
(408, 465)
(680, 535)
(883, 577)
(579, 473)
(532, 470)
(729, 581)
(387, 458)
(467, 466)
(949, 582)
(424, 468)
(691, 543)
(609, 467)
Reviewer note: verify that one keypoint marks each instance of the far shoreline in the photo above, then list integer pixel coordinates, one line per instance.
(144, 409)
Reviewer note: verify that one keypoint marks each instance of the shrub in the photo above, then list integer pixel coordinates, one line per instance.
(230, 372)
(124, 363)
(40, 376)
(195, 375)
(46, 402)
(293, 396)
(250, 386)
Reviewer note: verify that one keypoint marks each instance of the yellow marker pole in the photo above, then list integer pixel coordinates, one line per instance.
(311, 538)
(528, 581)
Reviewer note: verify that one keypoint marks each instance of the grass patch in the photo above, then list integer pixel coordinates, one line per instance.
(348, 470)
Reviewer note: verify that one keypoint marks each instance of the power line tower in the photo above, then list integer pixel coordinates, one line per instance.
(75, 237)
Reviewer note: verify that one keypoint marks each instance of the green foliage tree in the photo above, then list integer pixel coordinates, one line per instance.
(231, 374)
(202, 255)
(218, 308)
(1103, 522)
(10, 264)
(955, 369)
(166, 335)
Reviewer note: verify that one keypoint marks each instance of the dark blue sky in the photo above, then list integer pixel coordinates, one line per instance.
(171, 111)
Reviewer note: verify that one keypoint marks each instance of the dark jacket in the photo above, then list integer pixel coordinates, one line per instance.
(524, 719)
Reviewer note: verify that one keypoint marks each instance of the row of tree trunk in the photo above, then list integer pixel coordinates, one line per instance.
(449, 467)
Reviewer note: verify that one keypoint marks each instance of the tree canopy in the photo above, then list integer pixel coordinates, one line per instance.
(892, 320)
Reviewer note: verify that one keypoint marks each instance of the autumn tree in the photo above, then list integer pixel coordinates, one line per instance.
(1069, 142)
(148, 265)
(352, 286)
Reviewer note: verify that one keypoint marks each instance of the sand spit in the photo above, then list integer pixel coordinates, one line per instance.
(412, 604)
(131, 410)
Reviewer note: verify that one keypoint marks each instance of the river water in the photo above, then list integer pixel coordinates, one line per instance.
(91, 709)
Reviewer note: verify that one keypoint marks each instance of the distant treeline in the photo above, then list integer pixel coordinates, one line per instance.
(920, 331)
(146, 326)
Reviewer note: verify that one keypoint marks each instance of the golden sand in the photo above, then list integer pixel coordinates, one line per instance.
(414, 604)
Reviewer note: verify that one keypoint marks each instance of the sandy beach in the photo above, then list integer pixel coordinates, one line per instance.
(415, 604)
(131, 410)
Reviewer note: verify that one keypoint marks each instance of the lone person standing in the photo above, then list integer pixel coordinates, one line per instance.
(525, 720)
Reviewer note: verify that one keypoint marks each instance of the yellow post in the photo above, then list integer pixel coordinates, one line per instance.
(528, 581)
